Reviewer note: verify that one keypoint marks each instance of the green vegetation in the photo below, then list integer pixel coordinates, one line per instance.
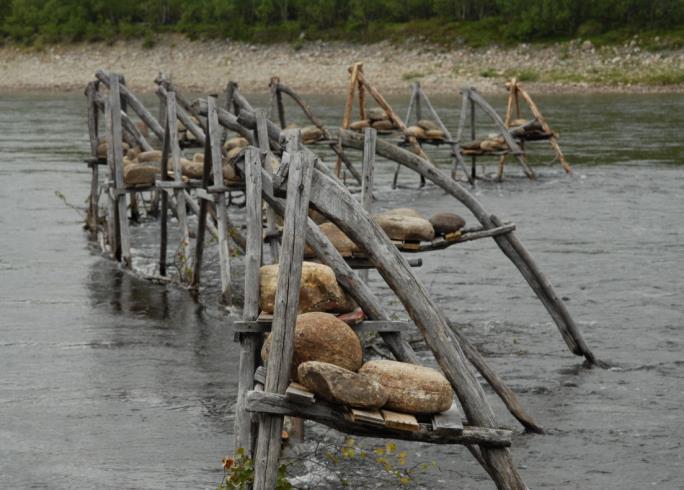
(442, 22)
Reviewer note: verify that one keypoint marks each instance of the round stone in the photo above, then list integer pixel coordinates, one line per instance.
(322, 337)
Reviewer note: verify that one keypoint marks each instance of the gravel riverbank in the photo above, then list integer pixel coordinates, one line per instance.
(319, 67)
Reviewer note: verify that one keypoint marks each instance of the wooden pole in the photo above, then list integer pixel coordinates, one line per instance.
(277, 100)
(119, 185)
(214, 134)
(284, 316)
(409, 112)
(507, 121)
(112, 231)
(348, 105)
(184, 250)
(204, 202)
(92, 218)
(262, 137)
(370, 135)
(166, 145)
(249, 342)
(473, 160)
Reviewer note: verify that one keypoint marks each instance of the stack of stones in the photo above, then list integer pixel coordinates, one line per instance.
(141, 168)
(400, 224)
(376, 118)
(425, 130)
(328, 360)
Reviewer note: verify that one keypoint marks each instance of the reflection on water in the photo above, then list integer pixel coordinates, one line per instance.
(110, 381)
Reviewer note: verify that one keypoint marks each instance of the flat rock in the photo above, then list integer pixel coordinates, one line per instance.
(322, 337)
(340, 241)
(340, 385)
(445, 223)
(411, 388)
(319, 289)
(405, 227)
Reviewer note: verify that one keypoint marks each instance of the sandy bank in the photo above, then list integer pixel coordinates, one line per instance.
(321, 67)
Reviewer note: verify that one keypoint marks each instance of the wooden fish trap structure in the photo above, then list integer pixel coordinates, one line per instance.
(276, 168)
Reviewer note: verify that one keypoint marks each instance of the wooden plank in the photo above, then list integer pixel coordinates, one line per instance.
(285, 314)
(117, 154)
(112, 235)
(299, 394)
(400, 421)
(451, 420)
(371, 417)
(92, 218)
(335, 416)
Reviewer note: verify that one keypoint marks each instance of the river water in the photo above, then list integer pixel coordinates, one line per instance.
(108, 381)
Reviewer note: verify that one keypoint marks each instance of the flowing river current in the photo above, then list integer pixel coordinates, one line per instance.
(109, 381)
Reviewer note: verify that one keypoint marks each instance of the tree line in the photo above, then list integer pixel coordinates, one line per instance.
(282, 20)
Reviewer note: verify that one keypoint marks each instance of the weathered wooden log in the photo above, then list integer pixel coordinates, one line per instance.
(166, 150)
(369, 137)
(262, 137)
(284, 317)
(93, 209)
(249, 342)
(184, 249)
(335, 416)
(114, 142)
